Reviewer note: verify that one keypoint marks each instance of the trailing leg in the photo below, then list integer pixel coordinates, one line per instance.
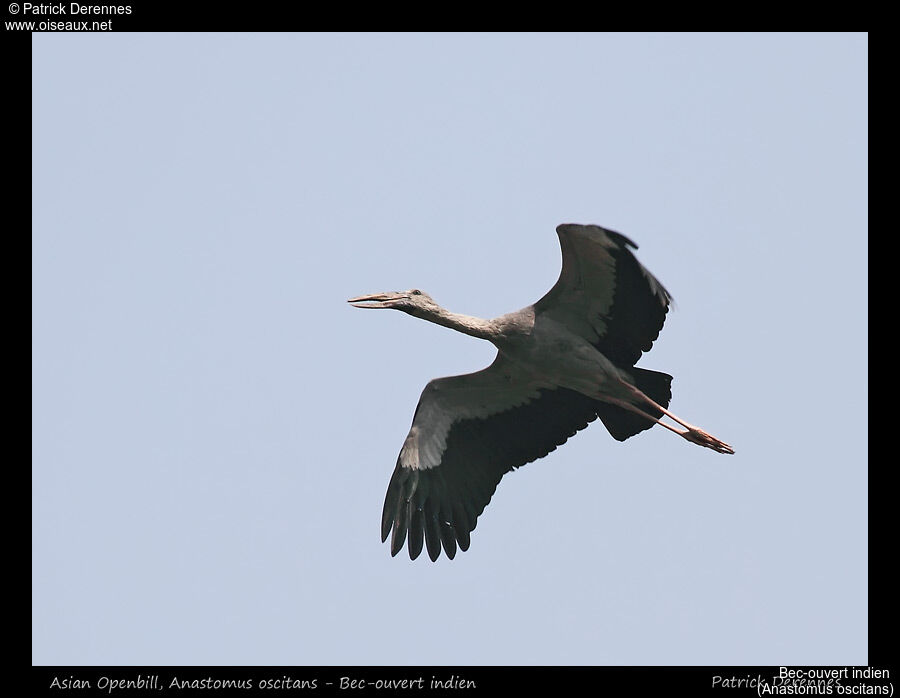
(691, 433)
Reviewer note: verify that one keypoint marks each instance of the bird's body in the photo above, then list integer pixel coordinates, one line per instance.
(557, 355)
(561, 363)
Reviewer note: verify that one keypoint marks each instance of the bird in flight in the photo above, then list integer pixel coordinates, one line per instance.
(561, 363)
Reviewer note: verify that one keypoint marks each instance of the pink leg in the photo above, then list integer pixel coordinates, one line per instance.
(691, 433)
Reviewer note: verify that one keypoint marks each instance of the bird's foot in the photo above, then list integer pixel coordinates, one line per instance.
(701, 438)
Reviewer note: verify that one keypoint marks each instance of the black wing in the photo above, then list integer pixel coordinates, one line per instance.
(605, 295)
(468, 431)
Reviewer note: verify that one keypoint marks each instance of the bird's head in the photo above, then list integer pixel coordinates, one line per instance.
(414, 302)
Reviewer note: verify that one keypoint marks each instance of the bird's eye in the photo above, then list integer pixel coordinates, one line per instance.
(416, 292)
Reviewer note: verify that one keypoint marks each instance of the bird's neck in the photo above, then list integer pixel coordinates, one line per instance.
(473, 326)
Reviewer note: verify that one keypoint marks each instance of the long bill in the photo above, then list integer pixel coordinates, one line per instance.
(377, 300)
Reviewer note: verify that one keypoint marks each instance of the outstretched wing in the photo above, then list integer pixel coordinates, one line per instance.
(605, 295)
(467, 432)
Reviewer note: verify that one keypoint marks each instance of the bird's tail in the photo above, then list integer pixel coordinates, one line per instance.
(623, 424)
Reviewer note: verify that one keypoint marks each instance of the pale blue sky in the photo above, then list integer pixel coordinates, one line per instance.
(214, 428)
